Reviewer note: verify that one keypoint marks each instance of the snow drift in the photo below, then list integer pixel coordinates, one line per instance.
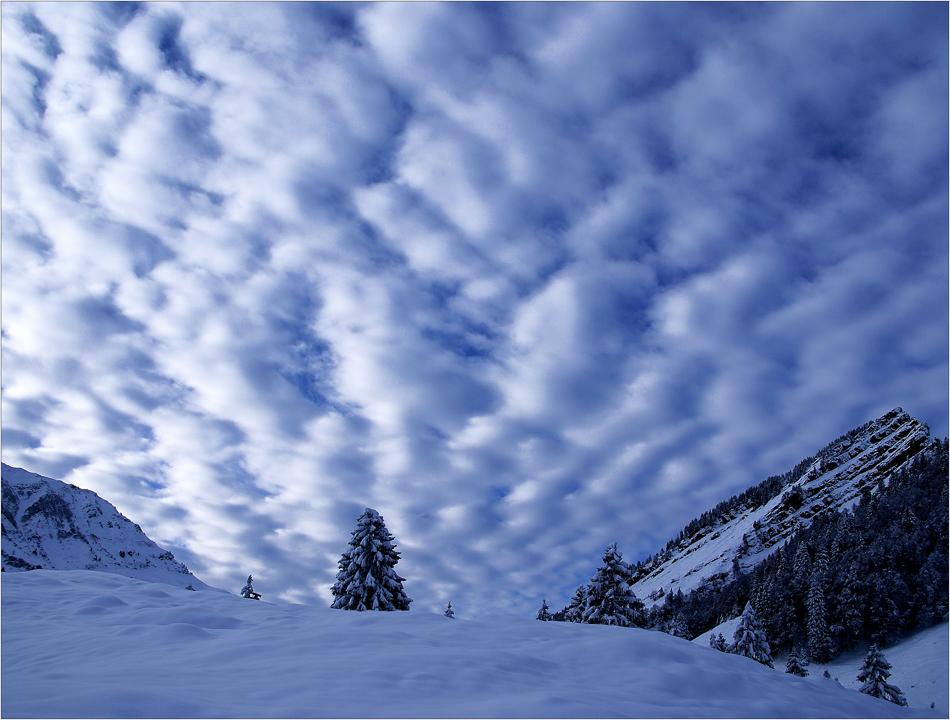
(83, 644)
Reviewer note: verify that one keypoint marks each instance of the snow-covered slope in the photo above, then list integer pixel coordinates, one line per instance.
(50, 524)
(835, 480)
(80, 644)
(920, 664)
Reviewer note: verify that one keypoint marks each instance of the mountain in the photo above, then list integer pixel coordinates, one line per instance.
(741, 532)
(52, 525)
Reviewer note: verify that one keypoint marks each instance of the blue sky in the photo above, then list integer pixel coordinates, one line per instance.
(525, 278)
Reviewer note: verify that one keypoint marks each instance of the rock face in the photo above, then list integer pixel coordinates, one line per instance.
(51, 525)
(835, 479)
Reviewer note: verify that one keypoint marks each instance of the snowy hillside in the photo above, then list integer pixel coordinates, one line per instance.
(920, 664)
(80, 644)
(835, 479)
(50, 524)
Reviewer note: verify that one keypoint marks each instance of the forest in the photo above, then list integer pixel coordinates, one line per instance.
(870, 573)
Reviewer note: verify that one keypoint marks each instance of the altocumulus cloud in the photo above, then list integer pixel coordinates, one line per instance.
(526, 278)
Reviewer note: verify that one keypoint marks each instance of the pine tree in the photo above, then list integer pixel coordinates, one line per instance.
(544, 614)
(574, 612)
(795, 666)
(874, 674)
(367, 580)
(677, 628)
(819, 641)
(749, 639)
(718, 642)
(610, 601)
(449, 612)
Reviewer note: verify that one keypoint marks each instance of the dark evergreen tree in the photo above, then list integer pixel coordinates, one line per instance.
(749, 639)
(544, 613)
(677, 628)
(610, 601)
(449, 612)
(367, 580)
(874, 674)
(574, 612)
(795, 666)
(819, 641)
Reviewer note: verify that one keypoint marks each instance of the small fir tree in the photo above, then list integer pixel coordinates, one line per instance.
(795, 666)
(367, 580)
(610, 601)
(874, 674)
(750, 640)
(819, 640)
(449, 612)
(544, 613)
(718, 642)
(247, 591)
(677, 628)
(574, 612)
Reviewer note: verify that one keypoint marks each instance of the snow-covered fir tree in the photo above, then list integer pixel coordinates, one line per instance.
(544, 613)
(449, 612)
(718, 642)
(819, 640)
(677, 628)
(610, 600)
(874, 674)
(367, 580)
(574, 612)
(750, 640)
(795, 666)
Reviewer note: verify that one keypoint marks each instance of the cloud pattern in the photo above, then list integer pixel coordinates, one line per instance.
(526, 278)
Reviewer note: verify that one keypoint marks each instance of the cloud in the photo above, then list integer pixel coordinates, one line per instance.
(527, 279)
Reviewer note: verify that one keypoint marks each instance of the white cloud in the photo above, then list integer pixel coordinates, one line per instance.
(528, 279)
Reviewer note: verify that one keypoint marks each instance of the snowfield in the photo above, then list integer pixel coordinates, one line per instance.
(89, 644)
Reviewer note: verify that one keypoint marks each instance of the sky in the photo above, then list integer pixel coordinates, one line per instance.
(527, 279)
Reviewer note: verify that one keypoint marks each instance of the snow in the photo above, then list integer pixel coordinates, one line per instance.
(920, 665)
(81, 643)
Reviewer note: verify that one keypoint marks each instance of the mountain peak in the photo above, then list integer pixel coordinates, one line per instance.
(53, 525)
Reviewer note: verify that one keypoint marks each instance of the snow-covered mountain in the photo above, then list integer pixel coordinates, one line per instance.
(52, 525)
(750, 530)
(86, 644)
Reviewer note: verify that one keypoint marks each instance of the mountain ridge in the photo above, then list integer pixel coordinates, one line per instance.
(49, 524)
(739, 533)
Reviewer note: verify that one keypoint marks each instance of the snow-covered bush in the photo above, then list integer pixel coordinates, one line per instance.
(449, 612)
(367, 580)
